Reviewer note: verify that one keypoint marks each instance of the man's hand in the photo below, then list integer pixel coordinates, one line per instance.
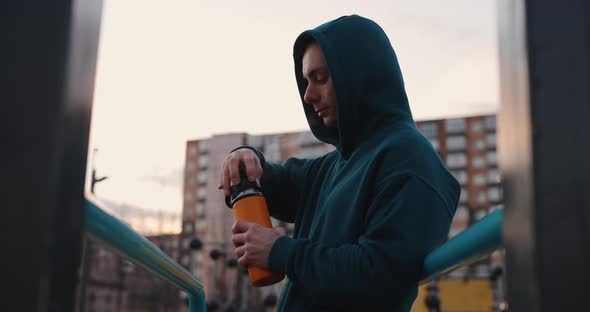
(253, 243)
(230, 172)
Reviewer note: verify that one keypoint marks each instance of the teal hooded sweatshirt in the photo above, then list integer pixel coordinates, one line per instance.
(368, 213)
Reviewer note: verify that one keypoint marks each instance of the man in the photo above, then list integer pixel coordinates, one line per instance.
(365, 214)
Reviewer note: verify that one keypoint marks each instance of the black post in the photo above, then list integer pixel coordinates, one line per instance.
(432, 299)
(87, 254)
(94, 179)
(47, 60)
(544, 147)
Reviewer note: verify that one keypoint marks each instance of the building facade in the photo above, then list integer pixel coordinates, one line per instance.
(116, 285)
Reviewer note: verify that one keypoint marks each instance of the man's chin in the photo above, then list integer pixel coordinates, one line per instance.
(329, 123)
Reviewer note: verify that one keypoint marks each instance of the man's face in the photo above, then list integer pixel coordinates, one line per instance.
(320, 89)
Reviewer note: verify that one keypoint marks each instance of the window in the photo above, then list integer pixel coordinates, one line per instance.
(494, 207)
(200, 225)
(192, 151)
(456, 160)
(461, 176)
(492, 158)
(307, 137)
(200, 209)
(477, 126)
(481, 198)
(493, 176)
(479, 214)
(479, 145)
(454, 231)
(460, 272)
(478, 162)
(203, 177)
(311, 151)
(184, 260)
(456, 143)
(188, 196)
(272, 149)
(188, 228)
(190, 166)
(203, 161)
(202, 193)
(190, 181)
(203, 146)
(491, 140)
(479, 180)
(434, 143)
(491, 123)
(464, 196)
(455, 125)
(429, 129)
(495, 193)
(482, 271)
(186, 243)
(462, 213)
(255, 140)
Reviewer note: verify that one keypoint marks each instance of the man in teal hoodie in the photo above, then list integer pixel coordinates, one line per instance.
(366, 214)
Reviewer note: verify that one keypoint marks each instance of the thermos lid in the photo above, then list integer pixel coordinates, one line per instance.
(244, 185)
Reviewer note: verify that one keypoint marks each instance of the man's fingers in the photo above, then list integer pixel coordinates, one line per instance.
(240, 226)
(233, 166)
(253, 169)
(243, 261)
(224, 178)
(239, 239)
(230, 169)
(226, 181)
(240, 251)
(220, 181)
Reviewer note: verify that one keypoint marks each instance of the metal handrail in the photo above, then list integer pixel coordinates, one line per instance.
(478, 240)
(128, 243)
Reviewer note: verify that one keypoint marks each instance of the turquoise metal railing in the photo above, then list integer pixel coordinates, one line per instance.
(125, 241)
(476, 241)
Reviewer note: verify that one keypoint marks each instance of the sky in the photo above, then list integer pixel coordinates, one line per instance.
(178, 70)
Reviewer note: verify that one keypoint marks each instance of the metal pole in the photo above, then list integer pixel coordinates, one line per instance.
(87, 247)
(48, 62)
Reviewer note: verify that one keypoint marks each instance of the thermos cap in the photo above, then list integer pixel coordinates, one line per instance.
(243, 189)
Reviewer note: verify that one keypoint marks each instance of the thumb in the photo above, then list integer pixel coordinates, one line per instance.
(281, 231)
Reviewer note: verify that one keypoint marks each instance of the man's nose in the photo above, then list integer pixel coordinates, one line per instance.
(310, 95)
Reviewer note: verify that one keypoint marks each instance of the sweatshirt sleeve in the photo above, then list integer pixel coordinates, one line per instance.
(282, 184)
(405, 220)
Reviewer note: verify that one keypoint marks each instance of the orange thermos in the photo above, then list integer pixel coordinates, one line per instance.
(248, 204)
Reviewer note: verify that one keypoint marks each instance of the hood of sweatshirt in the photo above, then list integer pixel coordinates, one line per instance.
(367, 80)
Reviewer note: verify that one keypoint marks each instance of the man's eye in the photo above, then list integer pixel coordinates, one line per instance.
(321, 79)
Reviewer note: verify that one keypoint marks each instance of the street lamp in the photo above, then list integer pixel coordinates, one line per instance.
(432, 300)
(196, 244)
(232, 263)
(88, 245)
(95, 179)
(496, 284)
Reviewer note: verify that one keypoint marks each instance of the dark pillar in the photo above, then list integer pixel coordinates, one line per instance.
(47, 60)
(544, 148)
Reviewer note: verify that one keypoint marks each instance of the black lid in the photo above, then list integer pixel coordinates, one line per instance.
(244, 184)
